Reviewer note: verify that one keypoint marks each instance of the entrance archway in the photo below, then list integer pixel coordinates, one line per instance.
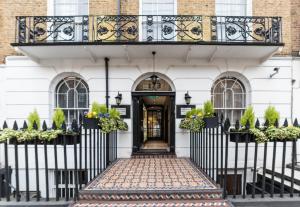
(153, 99)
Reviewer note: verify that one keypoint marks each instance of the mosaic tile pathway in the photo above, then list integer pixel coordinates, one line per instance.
(155, 181)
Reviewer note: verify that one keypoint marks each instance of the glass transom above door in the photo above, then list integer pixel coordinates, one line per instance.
(152, 25)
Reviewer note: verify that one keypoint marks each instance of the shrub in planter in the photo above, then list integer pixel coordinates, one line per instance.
(111, 121)
(91, 118)
(271, 115)
(34, 121)
(58, 117)
(210, 119)
(8, 134)
(247, 123)
(289, 133)
(193, 121)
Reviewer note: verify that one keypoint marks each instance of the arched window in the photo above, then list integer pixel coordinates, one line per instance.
(72, 96)
(229, 98)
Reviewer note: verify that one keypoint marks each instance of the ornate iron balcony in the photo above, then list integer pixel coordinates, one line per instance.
(148, 29)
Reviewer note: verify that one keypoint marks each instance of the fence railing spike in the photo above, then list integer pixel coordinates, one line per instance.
(247, 124)
(54, 127)
(286, 123)
(25, 126)
(237, 124)
(5, 125)
(15, 126)
(74, 126)
(276, 124)
(267, 123)
(227, 125)
(296, 123)
(44, 126)
(257, 124)
(35, 126)
(64, 126)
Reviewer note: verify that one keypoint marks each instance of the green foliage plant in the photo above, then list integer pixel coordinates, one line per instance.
(248, 116)
(34, 118)
(208, 109)
(271, 115)
(58, 117)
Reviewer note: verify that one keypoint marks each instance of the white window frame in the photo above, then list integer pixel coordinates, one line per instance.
(76, 109)
(224, 106)
(50, 7)
(141, 18)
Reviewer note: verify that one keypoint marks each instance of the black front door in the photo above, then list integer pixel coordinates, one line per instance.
(159, 128)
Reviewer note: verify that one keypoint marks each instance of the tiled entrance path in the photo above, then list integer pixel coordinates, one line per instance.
(152, 182)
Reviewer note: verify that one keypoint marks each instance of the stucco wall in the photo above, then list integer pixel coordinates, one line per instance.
(29, 85)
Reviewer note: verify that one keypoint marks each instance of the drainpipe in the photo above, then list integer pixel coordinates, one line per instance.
(106, 81)
(119, 7)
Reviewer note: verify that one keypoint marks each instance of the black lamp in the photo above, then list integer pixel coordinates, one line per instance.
(154, 79)
(187, 98)
(118, 98)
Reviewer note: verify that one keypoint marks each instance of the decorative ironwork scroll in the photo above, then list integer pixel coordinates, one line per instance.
(149, 28)
(117, 28)
(246, 29)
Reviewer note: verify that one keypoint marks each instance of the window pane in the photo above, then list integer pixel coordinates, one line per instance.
(228, 99)
(62, 101)
(71, 99)
(239, 101)
(82, 100)
(63, 88)
(218, 100)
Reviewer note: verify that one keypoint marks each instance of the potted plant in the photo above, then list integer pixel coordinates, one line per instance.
(210, 119)
(193, 120)
(247, 122)
(31, 132)
(271, 116)
(91, 118)
(108, 121)
(10, 135)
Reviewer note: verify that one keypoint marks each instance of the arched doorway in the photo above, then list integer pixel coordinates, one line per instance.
(153, 99)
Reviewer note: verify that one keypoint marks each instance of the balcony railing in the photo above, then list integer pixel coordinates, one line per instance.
(148, 29)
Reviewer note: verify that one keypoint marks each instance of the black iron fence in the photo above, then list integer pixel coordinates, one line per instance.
(243, 167)
(54, 170)
(148, 28)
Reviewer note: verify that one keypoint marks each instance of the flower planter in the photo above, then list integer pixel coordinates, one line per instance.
(241, 137)
(211, 122)
(90, 123)
(70, 140)
(29, 142)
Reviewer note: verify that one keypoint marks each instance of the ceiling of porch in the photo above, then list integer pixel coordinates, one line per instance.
(183, 51)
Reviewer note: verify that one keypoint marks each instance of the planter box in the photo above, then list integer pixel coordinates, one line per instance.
(90, 123)
(70, 140)
(31, 142)
(241, 137)
(211, 122)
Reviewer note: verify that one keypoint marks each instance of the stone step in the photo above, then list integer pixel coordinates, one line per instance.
(138, 195)
(168, 203)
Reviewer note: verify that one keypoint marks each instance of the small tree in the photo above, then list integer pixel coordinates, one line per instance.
(34, 118)
(58, 117)
(248, 116)
(208, 109)
(271, 115)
